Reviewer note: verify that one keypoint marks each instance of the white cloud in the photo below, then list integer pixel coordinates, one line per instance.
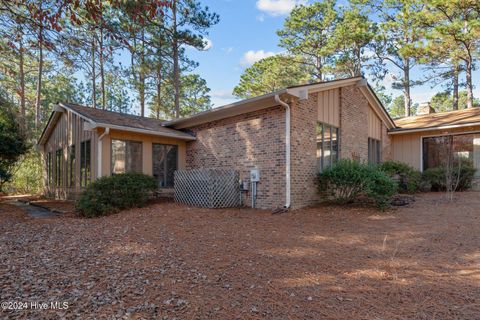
(207, 44)
(250, 57)
(278, 7)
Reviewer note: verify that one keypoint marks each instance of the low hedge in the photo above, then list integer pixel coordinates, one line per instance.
(408, 179)
(111, 194)
(347, 180)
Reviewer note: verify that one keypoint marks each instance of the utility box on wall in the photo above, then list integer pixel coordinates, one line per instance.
(254, 175)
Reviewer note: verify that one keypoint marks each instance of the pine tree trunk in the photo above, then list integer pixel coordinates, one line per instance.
(176, 68)
(94, 76)
(39, 77)
(102, 71)
(406, 84)
(469, 84)
(22, 85)
(142, 75)
(159, 89)
(456, 71)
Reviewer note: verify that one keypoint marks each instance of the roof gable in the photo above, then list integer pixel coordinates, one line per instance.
(114, 120)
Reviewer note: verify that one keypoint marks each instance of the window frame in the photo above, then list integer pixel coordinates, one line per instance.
(374, 150)
(49, 169)
(59, 168)
(166, 162)
(126, 142)
(85, 176)
(453, 135)
(334, 157)
(71, 166)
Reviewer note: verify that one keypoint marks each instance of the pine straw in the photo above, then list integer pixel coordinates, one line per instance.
(327, 262)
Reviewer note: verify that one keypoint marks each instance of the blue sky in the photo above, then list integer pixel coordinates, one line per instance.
(247, 32)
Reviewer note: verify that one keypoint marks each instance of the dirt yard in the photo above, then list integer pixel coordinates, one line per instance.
(173, 262)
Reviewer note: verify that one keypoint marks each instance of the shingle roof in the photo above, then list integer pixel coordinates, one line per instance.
(127, 121)
(442, 119)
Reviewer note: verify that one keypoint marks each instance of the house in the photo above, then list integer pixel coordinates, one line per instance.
(289, 136)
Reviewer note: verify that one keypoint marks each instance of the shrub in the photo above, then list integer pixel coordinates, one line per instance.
(112, 194)
(436, 177)
(344, 181)
(348, 179)
(381, 188)
(409, 179)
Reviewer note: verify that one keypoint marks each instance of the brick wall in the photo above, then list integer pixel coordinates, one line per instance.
(258, 139)
(353, 141)
(243, 142)
(303, 152)
(353, 124)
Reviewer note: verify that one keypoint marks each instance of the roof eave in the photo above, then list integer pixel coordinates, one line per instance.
(230, 110)
(186, 137)
(413, 130)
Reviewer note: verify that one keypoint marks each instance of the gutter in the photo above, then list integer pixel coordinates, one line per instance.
(287, 151)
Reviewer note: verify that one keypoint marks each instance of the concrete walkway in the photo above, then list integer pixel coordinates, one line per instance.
(33, 211)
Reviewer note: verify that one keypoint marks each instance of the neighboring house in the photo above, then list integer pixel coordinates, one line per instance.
(289, 136)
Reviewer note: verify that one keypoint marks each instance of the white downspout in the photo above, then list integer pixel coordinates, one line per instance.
(100, 151)
(287, 150)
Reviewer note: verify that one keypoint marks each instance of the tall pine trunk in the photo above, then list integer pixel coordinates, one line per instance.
(159, 90)
(469, 67)
(406, 84)
(21, 72)
(102, 70)
(94, 75)
(39, 77)
(141, 75)
(456, 72)
(176, 68)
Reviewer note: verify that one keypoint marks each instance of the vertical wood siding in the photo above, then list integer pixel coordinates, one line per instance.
(328, 104)
(68, 131)
(374, 125)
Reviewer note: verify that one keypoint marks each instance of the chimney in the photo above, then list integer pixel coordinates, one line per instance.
(425, 108)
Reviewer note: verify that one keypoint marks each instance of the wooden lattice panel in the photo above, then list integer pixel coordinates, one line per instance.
(208, 188)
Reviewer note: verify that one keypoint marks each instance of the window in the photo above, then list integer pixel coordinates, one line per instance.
(436, 149)
(71, 166)
(165, 160)
(126, 156)
(58, 167)
(49, 169)
(327, 145)
(374, 151)
(85, 163)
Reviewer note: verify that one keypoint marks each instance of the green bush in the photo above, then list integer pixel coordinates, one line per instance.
(112, 194)
(347, 180)
(344, 181)
(436, 177)
(381, 187)
(408, 179)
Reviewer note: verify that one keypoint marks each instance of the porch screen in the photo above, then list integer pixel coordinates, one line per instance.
(126, 156)
(85, 163)
(466, 147)
(327, 145)
(58, 167)
(165, 162)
